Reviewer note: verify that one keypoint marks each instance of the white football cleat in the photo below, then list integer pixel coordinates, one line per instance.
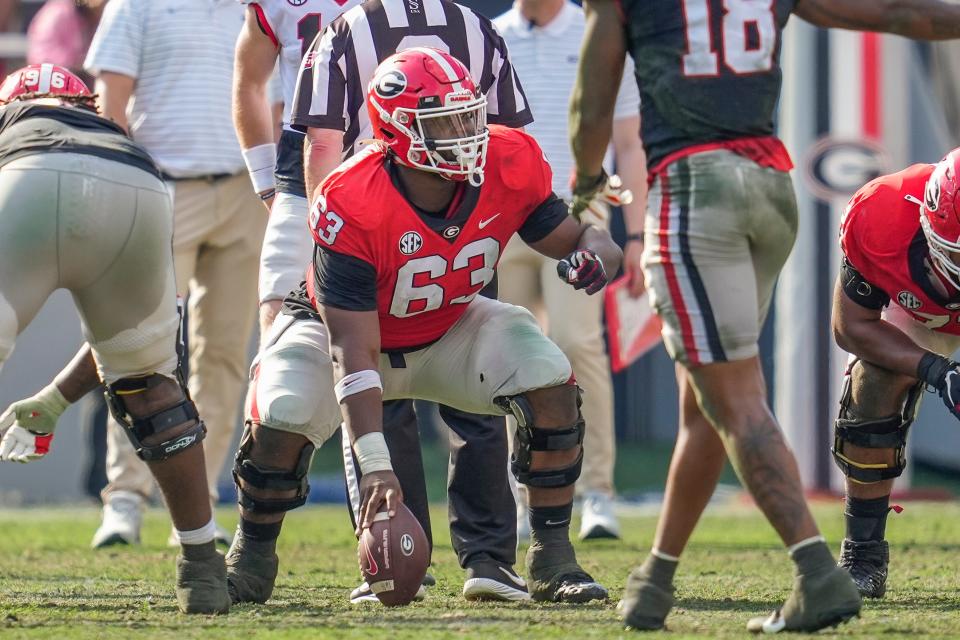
(598, 519)
(122, 517)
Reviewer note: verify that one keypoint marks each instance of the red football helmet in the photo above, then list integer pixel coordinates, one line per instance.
(44, 79)
(424, 105)
(940, 217)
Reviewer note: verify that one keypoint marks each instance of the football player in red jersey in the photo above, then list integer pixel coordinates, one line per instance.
(709, 77)
(407, 232)
(895, 310)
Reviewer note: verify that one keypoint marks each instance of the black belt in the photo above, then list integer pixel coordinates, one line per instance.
(208, 177)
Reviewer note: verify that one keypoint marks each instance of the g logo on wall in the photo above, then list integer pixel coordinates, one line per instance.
(297, 3)
(390, 83)
(836, 168)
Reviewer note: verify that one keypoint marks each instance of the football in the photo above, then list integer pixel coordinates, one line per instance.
(394, 555)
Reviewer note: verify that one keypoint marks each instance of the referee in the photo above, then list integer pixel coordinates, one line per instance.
(329, 107)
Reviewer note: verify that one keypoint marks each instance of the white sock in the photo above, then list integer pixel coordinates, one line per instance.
(202, 535)
(663, 556)
(805, 543)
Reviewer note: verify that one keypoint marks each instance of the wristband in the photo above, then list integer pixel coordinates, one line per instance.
(356, 382)
(266, 195)
(933, 368)
(372, 453)
(634, 237)
(260, 161)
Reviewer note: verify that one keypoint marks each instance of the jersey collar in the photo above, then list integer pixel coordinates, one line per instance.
(449, 227)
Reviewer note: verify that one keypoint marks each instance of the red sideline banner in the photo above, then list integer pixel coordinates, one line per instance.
(632, 325)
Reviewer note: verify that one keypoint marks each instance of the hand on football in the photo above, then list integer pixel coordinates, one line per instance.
(376, 489)
(591, 192)
(27, 425)
(583, 269)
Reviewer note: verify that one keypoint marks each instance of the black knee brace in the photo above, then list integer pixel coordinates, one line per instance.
(532, 438)
(876, 433)
(296, 480)
(140, 428)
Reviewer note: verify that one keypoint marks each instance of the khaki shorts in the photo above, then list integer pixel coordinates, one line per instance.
(494, 350)
(102, 230)
(718, 229)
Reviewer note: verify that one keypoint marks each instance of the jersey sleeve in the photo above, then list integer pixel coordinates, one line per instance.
(506, 102)
(544, 210)
(858, 229)
(345, 274)
(263, 21)
(320, 97)
(117, 45)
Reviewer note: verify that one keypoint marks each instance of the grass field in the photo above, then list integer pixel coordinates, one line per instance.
(52, 585)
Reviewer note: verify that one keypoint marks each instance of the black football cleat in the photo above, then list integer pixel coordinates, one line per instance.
(867, 563)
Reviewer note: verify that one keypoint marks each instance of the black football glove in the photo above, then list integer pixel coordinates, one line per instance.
(943, 375)
(584, 270)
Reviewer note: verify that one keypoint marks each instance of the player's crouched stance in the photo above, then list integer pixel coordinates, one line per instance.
(406, 234)
(896, 311)
(83, 208)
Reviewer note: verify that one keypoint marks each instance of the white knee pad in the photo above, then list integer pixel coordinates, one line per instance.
(292, 388)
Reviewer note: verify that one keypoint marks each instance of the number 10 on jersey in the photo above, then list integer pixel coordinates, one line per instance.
(748, 37)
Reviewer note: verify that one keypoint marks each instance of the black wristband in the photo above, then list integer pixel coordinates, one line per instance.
(933, 369)
(634, 237)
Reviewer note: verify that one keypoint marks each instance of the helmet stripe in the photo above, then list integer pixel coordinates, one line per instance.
(46, 73)
(452, 75)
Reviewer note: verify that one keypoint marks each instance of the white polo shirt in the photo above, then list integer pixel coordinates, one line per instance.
(181, 54)
(545, 59)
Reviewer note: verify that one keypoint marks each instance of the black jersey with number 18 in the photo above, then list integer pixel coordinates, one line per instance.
(708, 70)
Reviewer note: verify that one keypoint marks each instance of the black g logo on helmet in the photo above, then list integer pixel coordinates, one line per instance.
(390, 83)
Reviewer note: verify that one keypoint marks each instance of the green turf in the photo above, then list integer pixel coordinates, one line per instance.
(52, 585)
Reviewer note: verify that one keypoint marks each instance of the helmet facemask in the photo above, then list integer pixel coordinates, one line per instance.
(941, 251)
(450, 140)
(937, 212)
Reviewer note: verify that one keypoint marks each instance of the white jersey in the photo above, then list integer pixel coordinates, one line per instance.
(292, 25)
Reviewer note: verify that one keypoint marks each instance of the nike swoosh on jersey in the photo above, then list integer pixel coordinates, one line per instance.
(484, 223)
(517, 580)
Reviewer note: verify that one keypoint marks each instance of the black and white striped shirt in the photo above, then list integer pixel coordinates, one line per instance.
(332, 85)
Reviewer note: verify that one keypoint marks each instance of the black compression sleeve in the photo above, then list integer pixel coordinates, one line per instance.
(544, 219)
(343, 281)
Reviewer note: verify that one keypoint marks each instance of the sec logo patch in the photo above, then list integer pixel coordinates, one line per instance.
(410, 243)
(908, 301)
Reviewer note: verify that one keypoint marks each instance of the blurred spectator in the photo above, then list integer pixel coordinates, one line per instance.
(544, 41)
(61, 32)
(164, 71)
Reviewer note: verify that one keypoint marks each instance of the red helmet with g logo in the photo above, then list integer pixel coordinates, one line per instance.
(940, 217)
(45, 79)
(426, 108)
